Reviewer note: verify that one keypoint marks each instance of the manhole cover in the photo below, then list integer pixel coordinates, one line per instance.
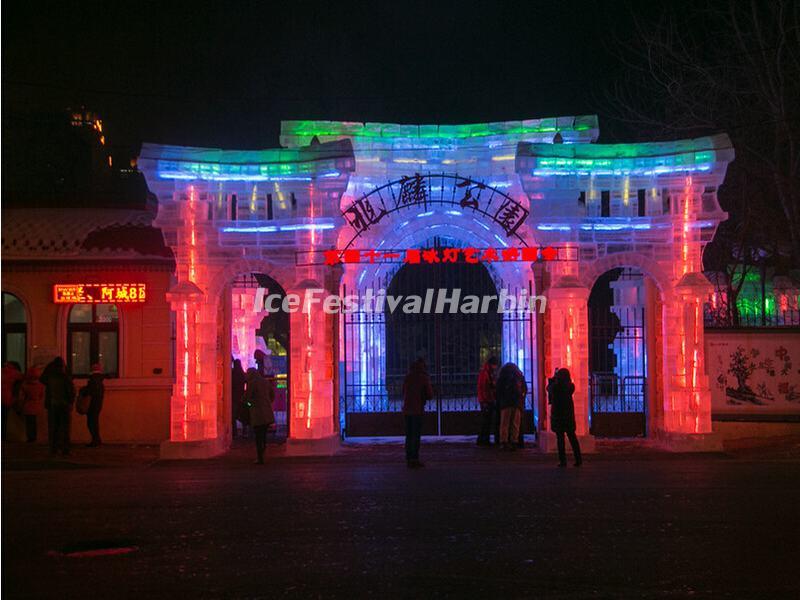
(92, 548)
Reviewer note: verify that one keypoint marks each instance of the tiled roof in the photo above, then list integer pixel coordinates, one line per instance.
(53, 233)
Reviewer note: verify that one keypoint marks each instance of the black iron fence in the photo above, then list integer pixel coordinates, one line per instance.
(721, 317)
(378, 347)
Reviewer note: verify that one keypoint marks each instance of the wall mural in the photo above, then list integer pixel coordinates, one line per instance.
(752, 372)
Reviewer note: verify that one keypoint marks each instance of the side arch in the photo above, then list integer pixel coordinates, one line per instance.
(246, 265)
(594, 270)
(626, 339)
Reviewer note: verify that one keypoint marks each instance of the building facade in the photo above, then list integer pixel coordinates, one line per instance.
(611, 235)
(90, 285)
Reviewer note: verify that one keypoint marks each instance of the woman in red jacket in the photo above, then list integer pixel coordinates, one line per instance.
(486, 398)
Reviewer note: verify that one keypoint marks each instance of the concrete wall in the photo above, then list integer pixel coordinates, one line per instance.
(736, 430)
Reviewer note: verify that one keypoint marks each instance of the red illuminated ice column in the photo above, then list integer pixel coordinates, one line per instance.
(569, 348)
(312, 358)
(688, 400)
(186, 423)
(688, 397)
(193, 403)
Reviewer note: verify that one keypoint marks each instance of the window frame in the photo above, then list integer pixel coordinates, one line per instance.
(94, 329)
(8, 328)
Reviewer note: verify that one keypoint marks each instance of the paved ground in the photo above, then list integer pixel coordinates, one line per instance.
(474, 523)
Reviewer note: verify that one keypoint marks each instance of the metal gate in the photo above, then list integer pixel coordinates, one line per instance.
(618, 355)
(380, 345)
(274, 331)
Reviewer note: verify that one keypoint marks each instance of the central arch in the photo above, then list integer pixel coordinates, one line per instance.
(365, 377)
(422, 194)
(453, 345)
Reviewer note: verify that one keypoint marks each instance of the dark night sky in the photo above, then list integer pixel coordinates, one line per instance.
(225, 74)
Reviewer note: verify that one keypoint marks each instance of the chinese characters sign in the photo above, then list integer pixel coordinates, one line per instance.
(93, 293)
(428, 190)
(446, 255)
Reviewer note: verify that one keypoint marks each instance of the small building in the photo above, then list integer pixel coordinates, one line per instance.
(90, 285)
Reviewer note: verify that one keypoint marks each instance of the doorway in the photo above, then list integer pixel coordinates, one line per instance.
(618, 353)
(260, 339)
(378, 347)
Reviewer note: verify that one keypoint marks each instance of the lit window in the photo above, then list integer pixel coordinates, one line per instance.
(93, 337)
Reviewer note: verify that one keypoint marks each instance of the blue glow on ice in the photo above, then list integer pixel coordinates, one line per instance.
(276, 228)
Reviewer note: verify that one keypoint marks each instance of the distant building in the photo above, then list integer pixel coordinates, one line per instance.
(66, 159)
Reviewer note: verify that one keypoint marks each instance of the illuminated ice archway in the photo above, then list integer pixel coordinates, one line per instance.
(652, 206)
(363, 347)
(223, 316)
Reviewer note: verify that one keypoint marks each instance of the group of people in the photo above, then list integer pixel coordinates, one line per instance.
(252, 399)
(52, 389)
(502, 401)
(501, 396)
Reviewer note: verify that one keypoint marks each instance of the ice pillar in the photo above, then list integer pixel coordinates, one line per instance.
(569, 347)
(312, 366)
(688, 399)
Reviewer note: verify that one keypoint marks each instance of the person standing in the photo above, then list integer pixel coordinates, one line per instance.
(511, 391)
(31, 402)
(11, 380)
(417, 390)
(258, 397)
(486, 398)
(261, 361)
(59, 396)
(96, 391)
(238, 379)
(562, 415)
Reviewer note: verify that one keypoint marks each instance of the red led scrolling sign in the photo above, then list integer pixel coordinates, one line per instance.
(95, 293)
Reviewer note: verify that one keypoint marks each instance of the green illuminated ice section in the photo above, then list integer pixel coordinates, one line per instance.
(298, 133)
(211, 164)
(699, 154)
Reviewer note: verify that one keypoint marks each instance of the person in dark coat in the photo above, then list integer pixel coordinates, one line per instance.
(511, 392)
(417, 390)
(238, 379)
(486, 398)
(259, 396)
(562, 415)
(59, 396)
(96, 391)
